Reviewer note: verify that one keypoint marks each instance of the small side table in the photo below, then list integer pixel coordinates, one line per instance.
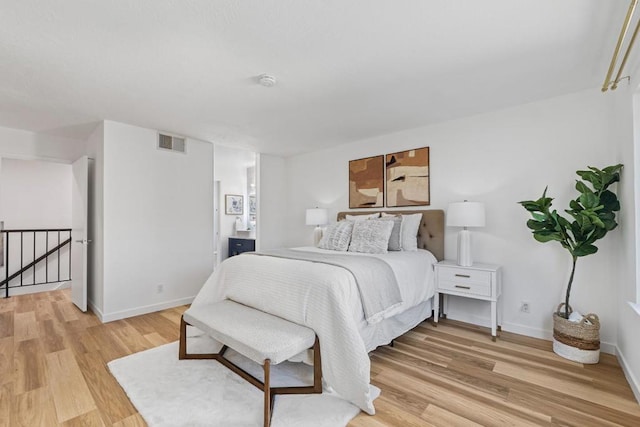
(479, 281)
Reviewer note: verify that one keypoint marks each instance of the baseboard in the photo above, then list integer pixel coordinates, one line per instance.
(33, 289)
(110, 317)
(631, 379)
(95, 310)
(517, 328)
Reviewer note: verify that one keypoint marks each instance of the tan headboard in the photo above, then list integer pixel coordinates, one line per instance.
(430, 232)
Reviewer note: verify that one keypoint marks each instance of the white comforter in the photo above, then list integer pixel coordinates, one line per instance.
(324, 298)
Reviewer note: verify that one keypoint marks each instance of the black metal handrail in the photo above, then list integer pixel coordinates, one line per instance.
(56, 235)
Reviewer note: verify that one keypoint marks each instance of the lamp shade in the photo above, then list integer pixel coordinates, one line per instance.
(317, 216)
(466, 214)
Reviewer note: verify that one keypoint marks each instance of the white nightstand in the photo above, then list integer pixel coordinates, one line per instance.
(480, 281)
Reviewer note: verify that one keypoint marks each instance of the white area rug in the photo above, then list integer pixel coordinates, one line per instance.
(171, 392)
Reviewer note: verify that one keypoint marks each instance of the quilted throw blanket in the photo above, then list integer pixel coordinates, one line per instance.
(379, 292)
(318, 295)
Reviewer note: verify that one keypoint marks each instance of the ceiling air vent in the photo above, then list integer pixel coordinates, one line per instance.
(173, 143)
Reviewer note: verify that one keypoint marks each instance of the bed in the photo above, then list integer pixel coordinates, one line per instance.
(329, 299)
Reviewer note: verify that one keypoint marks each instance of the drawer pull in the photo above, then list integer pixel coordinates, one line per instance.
(463, 287)
(463, 275)
(238, 244)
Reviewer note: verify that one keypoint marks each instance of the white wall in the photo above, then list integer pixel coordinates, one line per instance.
(499, 158)
(35, 195)
(158, 221)
(628, 345)
(272, 202)
(95, 222)
(21, 144)
(230, 168)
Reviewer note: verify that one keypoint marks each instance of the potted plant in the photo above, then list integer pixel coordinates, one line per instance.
(592, 216)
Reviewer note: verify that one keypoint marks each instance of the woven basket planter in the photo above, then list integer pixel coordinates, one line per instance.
(577, 341)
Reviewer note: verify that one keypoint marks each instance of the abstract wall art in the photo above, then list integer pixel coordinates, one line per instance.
(408, 178)
(366, 183)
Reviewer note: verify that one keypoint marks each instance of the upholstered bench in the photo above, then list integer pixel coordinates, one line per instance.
(261, 337)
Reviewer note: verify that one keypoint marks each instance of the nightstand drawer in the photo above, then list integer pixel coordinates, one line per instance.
(467, 287)
(238, 246)
(465, 276)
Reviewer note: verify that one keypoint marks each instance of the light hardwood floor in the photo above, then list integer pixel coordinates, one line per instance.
(53, 373)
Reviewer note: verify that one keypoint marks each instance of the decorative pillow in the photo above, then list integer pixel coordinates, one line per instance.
(409, 231)
(394, 239)
(337, 236)
(370, 237)
(362, 217)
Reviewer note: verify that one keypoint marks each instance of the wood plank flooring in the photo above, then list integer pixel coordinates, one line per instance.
(53, 373)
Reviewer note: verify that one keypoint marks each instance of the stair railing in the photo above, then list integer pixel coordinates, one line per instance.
(51, 242)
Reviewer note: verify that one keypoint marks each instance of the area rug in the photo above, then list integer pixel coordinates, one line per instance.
(171, 392)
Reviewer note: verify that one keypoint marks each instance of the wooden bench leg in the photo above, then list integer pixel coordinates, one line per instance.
(182, 346)
(317, 367)
(182, 352)
(267, 393)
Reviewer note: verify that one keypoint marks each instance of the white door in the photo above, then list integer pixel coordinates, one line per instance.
(79, 238)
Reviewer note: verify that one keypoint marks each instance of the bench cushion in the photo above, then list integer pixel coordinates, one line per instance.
(251, 332)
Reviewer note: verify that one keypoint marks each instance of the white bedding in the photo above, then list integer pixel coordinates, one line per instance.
(324, 298)
(414, 273)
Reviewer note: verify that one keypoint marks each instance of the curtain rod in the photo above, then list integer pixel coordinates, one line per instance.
(623, 33)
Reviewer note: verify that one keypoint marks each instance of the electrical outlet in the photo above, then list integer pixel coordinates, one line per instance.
(160, 289)
(524, 307)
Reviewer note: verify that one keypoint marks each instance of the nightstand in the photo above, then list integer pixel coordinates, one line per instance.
(479, 281)
(238, 245)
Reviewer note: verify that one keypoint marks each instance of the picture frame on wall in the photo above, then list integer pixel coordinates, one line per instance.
(408, 178)
(233, 204)
(252, 205)
(366, 182)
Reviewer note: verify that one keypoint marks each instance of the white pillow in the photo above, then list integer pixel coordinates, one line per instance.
(394, 239)
(337, 236)
(370, 237)
(409, 231)
(362, 217)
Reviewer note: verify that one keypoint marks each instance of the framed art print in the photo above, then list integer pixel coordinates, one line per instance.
(252, 205)
(366, 183)
(233, 204)
(408, 178)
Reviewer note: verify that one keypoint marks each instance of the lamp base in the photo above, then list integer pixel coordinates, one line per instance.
(464, 249)
(317, 235)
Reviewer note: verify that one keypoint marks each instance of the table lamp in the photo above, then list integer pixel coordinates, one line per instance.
(317, 217)
(465, 214)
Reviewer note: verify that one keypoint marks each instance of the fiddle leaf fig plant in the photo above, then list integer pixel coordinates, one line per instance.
(591, 216)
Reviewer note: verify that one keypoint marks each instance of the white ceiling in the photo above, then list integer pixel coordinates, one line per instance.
(346, 69)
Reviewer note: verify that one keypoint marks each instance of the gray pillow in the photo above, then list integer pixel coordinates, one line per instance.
(362, 217)
(371, 236)
(394, 239)
(337, 236)
(409, 231)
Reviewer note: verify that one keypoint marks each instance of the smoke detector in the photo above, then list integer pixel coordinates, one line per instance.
(266, 80)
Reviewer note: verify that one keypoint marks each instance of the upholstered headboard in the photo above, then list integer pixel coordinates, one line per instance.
(430, 232)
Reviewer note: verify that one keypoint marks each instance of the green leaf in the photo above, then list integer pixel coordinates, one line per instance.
(595, 220)
(575, 205)
(539, 216)
(582, 187)
(536, 225)
(609, 200)
(584, 250)
(589, 200)
(545, 236)
(591, 177)
(613, 169)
